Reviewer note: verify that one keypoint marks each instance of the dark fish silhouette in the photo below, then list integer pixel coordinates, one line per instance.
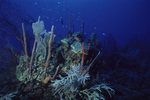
(61, 20)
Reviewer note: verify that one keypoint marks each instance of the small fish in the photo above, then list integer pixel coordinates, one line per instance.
(76, 38)
(103, 33)
(46, 79)
(28, 87)
(61, 20)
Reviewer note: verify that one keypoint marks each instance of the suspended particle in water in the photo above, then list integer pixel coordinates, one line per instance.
(59, 3)
(47, 17)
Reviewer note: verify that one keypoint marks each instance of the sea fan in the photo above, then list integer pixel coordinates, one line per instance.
(96, 92)
(70, 83)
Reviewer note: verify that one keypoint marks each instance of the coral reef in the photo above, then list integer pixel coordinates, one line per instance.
(37, 67)
(70, 62)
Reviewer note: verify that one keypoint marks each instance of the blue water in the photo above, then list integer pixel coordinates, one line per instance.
(121, 26)
(124, 19)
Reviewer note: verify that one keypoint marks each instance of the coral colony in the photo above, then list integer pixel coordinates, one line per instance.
(61, 67)
(62, 71)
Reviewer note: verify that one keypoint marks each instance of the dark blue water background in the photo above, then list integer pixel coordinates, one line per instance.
(124, 19)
